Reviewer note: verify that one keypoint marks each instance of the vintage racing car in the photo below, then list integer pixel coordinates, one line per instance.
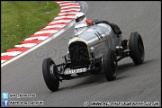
(94, 49)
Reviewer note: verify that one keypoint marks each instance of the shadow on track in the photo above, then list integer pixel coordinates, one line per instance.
(100, 78)
(125, 67)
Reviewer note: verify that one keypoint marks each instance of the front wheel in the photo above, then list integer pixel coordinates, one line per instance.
(49, 70)
(110, 65)
(136, 46)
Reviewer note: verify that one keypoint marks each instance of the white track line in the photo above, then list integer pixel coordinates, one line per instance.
(70, 10)
(55, 22)
(13, 53)
(70, 7)
(53, 26)
(39, 38)
(29, 45)
(3, 61)
(69, 4)
(46, 31)
(66, 13)
(38, 45)
(60, 17)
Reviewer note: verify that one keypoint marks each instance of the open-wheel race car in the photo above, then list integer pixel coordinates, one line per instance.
(94, 49)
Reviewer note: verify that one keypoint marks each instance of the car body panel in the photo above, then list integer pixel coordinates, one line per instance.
(99, 36)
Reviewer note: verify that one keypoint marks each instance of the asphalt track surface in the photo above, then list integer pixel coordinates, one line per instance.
(133, 83)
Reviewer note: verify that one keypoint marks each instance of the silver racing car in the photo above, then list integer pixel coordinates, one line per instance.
(94, 49)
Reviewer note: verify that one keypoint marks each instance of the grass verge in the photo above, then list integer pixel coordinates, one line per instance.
(20, 19)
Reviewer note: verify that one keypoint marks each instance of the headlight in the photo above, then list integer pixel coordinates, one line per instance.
(68, 55)
(92, 51)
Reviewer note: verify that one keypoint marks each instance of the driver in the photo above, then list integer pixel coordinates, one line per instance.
(81, 22)
(80, 17)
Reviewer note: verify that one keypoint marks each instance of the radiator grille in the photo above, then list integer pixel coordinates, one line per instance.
(79, 54)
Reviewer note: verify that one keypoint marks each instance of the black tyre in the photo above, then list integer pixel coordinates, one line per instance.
(110, 65)
(136, 46)
(50, 77)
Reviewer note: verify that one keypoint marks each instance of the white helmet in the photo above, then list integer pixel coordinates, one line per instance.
(80, 17)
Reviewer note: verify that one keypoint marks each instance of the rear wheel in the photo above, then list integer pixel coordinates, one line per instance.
(49, 70)
(136, 46)
(110, 65)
